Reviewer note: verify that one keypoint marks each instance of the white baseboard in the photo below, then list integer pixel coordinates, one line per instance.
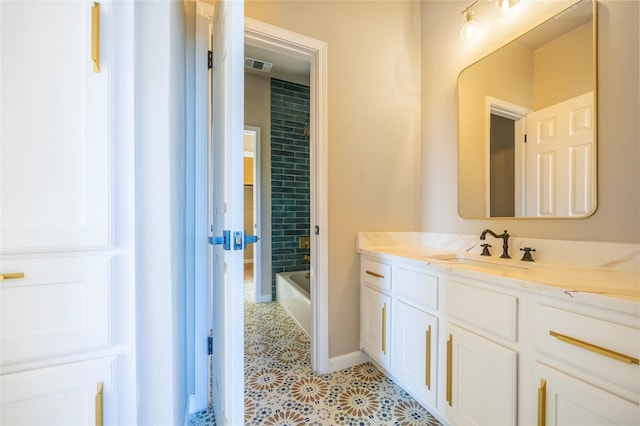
(263, 298)
(347, 360)
(191, 406)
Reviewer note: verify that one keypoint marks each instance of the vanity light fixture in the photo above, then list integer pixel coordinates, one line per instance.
(471, 27)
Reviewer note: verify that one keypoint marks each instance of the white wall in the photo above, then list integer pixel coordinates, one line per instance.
(160, 232)
(444, 55)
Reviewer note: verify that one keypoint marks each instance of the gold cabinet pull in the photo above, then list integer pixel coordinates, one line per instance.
(11, 276)
(594, 348)
(542, 403)
(450, 370)
(384, 329)
(427, 375)
(95, 36)
(99, 406)
(373, 274)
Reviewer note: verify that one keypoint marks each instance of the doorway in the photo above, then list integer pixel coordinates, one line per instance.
(252, 202)
(313, 52)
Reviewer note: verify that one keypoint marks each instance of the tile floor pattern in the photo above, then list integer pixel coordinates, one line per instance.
(281, 389)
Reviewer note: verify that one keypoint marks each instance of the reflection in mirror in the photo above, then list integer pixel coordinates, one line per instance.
(527, 118)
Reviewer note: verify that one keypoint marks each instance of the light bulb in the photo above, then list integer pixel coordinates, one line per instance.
(470, 28)
(504, 6)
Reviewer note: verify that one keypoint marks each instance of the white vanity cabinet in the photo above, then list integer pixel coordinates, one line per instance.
(481, 374)
(586, 367)
(481, 348)
(399, 329)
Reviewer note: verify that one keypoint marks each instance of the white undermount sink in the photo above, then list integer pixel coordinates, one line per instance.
(488, 264)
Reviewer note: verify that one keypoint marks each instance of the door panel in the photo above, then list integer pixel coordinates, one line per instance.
(560, 164)
(55, 121)
(228, 212)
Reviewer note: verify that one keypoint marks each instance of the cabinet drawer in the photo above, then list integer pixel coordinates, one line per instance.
(61, 306)
(594, 345)
(486, 310)
(418, 288)
(376, 274)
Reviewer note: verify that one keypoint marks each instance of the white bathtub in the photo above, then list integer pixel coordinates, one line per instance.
(292, 292)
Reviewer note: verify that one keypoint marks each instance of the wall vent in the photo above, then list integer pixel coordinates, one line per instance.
(257, 64)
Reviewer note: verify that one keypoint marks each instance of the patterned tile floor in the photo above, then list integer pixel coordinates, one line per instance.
(281, 389)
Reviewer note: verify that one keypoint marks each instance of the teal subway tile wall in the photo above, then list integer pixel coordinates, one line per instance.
(290, 196)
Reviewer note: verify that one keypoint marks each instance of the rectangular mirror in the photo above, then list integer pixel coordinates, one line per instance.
(527, 123)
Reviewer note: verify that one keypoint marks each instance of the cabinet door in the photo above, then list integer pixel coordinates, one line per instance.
(375, 324)
(61, 395)
(481, 380)
(414, 342)
(55, 127)
(566, 400)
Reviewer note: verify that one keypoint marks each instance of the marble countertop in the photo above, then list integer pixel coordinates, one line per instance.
(615, 288)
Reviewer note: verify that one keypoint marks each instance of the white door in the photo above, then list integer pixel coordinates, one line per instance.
(69, 292)
(227, 213)
(560, 164)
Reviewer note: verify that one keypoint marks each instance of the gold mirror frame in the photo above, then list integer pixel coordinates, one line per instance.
(474, 181)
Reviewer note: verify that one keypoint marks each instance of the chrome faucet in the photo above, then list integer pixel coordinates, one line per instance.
(505, 241)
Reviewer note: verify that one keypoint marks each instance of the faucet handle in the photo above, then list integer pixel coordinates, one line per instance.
(526, 257)
(485, 249)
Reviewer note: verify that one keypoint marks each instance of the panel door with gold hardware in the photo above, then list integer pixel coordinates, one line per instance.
(375, 322)
(67, 289)
(566, 400)
(55, 120)
(415, 345)
(481, 380)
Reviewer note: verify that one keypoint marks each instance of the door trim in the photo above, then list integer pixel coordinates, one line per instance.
(314, 51)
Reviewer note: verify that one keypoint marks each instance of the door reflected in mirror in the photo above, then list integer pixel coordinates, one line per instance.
(527, 123)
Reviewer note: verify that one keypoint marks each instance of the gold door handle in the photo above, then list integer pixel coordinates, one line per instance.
(542, 403)
(95, 36)
(373, 274)
(384, 329)
(594, 348)
(11, 276)
(450, 370)
(99, 405)
(427, 378)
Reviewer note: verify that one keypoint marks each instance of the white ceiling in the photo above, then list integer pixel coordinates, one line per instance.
(284, 67)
